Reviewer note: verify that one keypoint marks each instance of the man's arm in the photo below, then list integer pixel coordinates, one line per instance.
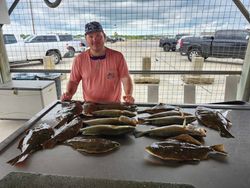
(70, 91)
(128, 89)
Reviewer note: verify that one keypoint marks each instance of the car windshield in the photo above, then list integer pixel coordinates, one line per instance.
(180, 35)
(29, 38)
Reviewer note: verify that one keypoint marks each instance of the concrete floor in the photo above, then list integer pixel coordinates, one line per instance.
(7, 127)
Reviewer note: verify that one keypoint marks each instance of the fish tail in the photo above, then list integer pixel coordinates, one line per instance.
(18, 159)
(138, 134)
(225, 133)
(219, 148)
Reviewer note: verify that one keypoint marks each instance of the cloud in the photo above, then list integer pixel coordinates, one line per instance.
(129, 17)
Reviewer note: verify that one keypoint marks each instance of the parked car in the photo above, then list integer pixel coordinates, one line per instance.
(65, 40)
(224, 44)
(35, 47)
(170, 43)
(121, 39)
(180, 44)
(111, 39)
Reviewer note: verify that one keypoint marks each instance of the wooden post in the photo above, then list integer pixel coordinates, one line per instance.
(146, 65)
(151, 83)
(5, 75)
(48, 62)
(197, 63)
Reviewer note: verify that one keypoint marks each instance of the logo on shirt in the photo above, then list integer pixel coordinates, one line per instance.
(111, 75)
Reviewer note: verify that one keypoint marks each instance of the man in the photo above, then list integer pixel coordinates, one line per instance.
(102, 71)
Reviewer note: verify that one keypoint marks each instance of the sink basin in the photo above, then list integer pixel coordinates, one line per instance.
(28, 180)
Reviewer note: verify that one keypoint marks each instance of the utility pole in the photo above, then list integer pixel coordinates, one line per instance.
(32, 18)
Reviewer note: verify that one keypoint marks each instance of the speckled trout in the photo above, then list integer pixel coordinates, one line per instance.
(170, 120)
(168, 113)
(172, 130)
(90, 107)
(108, 130)
(161, 107)
(113, 113)
(122, 120)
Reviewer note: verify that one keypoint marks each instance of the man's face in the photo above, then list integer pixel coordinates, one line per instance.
(95, 40)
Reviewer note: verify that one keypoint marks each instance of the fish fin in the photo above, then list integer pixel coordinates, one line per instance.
(219, 148)
(182, 113)
(138, 134)
(177, 108)
(18, 159)
(20, 143)
(61, 123)
(184, 122)
(225, 133)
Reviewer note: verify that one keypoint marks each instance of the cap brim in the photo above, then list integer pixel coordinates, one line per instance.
(100, 30)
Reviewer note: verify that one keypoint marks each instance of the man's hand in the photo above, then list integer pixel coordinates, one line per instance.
(129, 99)
(66, 97)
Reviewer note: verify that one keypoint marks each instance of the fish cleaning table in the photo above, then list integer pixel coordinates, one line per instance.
(130, 162)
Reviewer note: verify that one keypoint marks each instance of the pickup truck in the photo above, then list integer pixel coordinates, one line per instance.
(224, 44)
(170, 43)
(35, 47)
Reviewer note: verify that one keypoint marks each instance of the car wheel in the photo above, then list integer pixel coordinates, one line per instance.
(193, 52)
(173, 49)
(166, 48)
(56, 56)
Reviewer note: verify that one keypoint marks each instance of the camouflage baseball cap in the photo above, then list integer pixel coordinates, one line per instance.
(93, 27)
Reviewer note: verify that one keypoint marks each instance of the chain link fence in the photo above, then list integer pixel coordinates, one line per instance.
(139, 29)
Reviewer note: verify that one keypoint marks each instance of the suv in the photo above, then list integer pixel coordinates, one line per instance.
(170, 43)
(37, 46)
(180, 44)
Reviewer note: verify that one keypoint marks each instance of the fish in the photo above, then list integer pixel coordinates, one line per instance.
(161, 107)
(215, 120)
(172, 130)
(92, 145)
(186, 138)
(64, 133)
(32, 142)
(170, 120)
(113, 113)
(68, 112)
(90, 107)
(122, 120)
(168, 113)
(107, 130)
(182, 151)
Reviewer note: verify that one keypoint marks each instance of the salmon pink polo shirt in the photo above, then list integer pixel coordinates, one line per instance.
(101, 78)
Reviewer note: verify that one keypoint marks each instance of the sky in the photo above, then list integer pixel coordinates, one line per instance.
(127, 17)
